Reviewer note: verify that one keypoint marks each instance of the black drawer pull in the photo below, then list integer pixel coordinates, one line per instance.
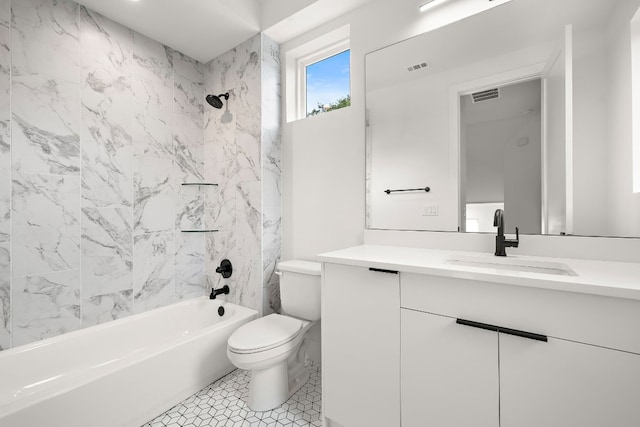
(477, 325)
(523, 334)
(382, 270)
(508, 331)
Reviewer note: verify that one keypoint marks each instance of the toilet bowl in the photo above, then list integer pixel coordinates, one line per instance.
(274, 347)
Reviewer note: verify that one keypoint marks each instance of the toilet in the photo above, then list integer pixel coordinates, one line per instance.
(274, 347)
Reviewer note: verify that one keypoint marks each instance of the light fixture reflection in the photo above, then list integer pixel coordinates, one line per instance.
(429, 4)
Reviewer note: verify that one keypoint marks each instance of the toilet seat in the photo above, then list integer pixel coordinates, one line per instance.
(264, 334)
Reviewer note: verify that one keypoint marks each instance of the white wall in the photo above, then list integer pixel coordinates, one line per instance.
(622, 200)
(590, 103)
(323, 185)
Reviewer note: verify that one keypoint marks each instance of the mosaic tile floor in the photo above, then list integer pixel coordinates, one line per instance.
(223, 404)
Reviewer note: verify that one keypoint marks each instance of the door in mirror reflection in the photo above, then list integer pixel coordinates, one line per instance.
(501, 152)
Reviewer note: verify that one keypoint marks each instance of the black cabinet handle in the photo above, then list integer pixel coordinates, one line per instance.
(381, 270)
(508, 331)
(477, 325)
(523, 334)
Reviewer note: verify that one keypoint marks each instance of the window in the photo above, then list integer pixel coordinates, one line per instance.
(327, 84)
(318, 75)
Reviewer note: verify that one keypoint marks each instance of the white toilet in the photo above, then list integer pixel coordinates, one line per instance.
(274, 347)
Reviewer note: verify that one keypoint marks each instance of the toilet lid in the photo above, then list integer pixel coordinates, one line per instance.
(264, 333)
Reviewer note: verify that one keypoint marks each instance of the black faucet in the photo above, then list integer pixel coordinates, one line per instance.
(216, 292)
(501, 242)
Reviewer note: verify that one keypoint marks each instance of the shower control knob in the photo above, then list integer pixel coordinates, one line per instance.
(225, 268)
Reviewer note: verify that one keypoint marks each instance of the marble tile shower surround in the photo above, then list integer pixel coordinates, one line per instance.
(99, 127)
(242, 154)
(271, 173)
(5, 174)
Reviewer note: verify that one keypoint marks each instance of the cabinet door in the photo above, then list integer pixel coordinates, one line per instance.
(360, 346)
(564, 384)
(449, 373)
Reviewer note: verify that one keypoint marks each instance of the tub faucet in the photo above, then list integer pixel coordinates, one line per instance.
(501, 241)
(215, 292)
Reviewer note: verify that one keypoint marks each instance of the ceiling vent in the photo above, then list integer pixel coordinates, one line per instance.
(485, 95)
(417, 66)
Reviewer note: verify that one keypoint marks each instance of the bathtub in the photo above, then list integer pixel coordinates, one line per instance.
(121, 373)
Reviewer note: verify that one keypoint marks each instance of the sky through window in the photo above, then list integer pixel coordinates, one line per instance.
(328, 80)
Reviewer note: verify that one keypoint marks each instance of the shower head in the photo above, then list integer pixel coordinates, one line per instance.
(215, 101)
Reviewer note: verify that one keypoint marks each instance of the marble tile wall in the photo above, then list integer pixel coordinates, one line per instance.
(242, 155)
(99, 126)
(271, 173)
(5, 174)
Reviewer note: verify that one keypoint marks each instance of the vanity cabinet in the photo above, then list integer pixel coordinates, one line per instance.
(452, 375)
(449, 373)
(416, 349)
(360, 346)
(461, 375)
(563, 383)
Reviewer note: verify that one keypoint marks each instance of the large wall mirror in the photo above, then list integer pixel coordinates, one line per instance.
(526, 107)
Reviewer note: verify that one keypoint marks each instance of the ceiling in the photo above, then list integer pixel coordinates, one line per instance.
(204, 29)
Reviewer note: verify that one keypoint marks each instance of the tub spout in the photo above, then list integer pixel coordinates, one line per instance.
(215, 292)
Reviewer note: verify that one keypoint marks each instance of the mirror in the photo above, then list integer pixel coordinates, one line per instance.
(525, 107)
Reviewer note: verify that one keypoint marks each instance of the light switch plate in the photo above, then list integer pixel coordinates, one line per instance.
(431, 210)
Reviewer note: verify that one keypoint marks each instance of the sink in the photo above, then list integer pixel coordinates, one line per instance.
(511, 264)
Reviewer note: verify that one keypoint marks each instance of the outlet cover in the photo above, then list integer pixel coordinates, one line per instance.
(431, 210)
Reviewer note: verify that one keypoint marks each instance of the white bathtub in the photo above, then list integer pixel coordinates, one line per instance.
(121, 373)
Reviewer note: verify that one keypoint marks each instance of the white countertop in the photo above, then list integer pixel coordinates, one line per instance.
(612, 279)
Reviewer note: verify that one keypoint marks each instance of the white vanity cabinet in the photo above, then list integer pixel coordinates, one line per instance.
(464, 374)
(564, 383)
(360, 346)
(449, 373)
(427, 344)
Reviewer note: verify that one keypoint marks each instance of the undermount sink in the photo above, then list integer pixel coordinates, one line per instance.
(511, 264)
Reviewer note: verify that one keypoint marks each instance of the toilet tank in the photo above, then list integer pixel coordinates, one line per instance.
(300, 289)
